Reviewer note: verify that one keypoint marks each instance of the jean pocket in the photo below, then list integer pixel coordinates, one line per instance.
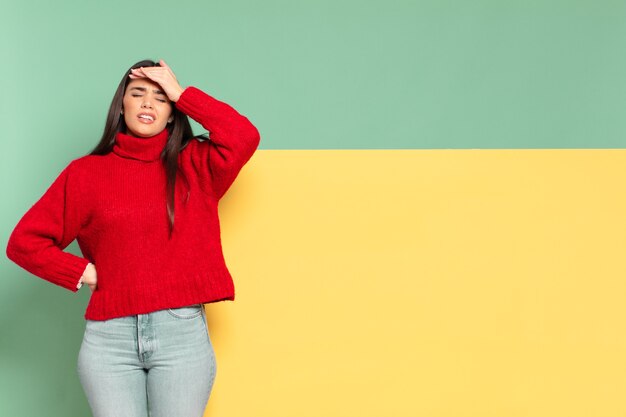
(186, 312)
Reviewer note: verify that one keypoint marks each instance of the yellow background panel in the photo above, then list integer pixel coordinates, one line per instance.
(478, 283)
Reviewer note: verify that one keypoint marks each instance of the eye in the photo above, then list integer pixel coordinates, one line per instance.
(162, 101)
(136, 95)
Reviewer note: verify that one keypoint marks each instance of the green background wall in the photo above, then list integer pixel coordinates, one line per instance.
(333, 75)
(310, 75)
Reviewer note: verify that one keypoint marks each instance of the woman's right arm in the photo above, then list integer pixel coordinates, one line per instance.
(49, 226)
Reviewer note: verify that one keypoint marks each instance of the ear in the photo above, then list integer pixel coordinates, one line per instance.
(170, 120)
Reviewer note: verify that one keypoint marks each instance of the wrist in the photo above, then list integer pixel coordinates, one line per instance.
(178, 93)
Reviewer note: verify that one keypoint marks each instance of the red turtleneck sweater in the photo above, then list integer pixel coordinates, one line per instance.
(114, 205)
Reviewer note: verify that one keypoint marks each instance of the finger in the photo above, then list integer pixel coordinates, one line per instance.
(137, 73)
(149, 73)
(160, 77)
(164, 65)
(167, 67)
(153, 72)
(140, 70)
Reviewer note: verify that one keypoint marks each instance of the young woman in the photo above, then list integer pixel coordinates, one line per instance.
(143, 209)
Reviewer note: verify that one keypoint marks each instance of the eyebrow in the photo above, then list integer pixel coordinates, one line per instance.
(144, 89)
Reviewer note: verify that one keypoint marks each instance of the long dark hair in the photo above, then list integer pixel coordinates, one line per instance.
(179, 130)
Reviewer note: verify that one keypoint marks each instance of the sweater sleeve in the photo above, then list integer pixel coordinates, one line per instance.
(233, 138)
(49, 226)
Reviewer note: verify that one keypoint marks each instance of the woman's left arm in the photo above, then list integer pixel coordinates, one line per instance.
(233, 138)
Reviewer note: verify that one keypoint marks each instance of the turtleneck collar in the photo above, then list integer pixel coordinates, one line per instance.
(143, 149)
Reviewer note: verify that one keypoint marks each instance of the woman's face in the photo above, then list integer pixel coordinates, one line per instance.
(146, 108)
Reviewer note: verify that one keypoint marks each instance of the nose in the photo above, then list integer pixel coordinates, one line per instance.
(146, 103)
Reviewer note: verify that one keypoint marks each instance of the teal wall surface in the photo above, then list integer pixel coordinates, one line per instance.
(335, 74)
(310, 75)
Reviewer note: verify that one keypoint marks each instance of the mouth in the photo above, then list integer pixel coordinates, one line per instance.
(146, 118)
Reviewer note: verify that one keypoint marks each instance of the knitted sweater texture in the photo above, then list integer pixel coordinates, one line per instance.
(114, 205)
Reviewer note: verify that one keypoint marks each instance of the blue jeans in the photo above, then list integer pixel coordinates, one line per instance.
(160, 364)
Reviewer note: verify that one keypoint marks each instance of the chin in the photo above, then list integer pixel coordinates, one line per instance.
(143, 133)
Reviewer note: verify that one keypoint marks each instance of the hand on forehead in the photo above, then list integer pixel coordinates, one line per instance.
(147, 72)
(163, 76)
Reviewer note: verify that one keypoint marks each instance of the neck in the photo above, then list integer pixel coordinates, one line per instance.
(143, 149)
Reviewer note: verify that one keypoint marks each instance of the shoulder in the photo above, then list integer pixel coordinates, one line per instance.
(195, 144)
(80, 172)
(198, 139)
